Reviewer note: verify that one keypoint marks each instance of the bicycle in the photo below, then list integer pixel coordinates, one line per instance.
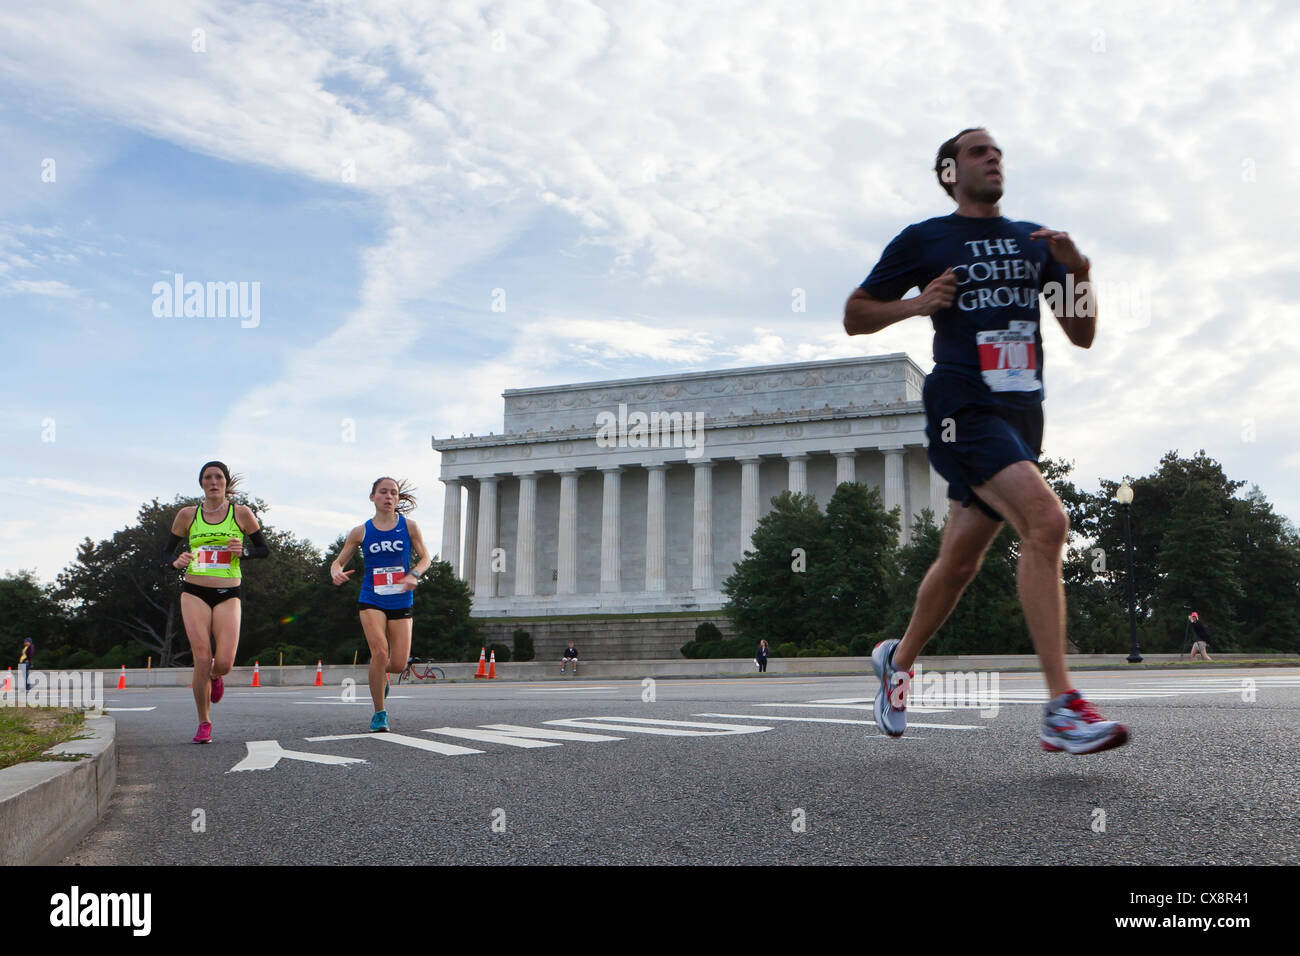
(422, 669)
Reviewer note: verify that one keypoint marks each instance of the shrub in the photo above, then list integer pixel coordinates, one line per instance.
(861, 645)
(714, 650)
(502, 652)
(788, 649)
(708, 631)
(523, 642)
(293, 654)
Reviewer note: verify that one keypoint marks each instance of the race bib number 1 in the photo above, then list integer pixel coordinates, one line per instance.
(1008, 360)
(387, 580)
(212, 559)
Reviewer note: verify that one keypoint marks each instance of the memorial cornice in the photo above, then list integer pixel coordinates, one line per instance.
(576, 433)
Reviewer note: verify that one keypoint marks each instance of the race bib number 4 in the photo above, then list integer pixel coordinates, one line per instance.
(212, 559)
(1008, 360)
(387, 580)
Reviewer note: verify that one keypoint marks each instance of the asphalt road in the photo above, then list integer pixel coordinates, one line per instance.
(792, 771)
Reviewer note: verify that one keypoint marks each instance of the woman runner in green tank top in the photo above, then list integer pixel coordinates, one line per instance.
(215, 533)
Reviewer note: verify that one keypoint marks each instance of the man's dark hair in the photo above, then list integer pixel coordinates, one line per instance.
(948, 152)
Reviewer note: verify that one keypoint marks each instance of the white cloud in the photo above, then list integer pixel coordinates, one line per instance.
(721, 156)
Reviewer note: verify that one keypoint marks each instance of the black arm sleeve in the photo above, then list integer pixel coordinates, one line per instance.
(169, 549)
(256, 546)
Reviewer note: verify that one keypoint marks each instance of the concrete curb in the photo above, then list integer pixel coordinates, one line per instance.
(46, 808)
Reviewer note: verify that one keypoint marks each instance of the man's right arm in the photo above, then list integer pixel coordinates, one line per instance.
(864, 314)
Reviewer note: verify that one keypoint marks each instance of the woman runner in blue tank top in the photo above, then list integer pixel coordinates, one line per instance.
(387, 542)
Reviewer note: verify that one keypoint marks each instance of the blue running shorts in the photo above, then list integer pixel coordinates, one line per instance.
(987, 436)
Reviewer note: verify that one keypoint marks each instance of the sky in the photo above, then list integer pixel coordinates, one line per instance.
(639, 188)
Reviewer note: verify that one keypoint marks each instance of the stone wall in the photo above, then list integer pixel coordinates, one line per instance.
(626, 639)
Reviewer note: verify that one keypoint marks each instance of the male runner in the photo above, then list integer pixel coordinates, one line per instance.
(980, 276)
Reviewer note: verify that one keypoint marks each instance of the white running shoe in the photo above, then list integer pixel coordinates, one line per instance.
(1071, 724)
(891, 699)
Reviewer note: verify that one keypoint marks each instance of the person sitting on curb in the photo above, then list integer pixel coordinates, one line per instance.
(570, 654)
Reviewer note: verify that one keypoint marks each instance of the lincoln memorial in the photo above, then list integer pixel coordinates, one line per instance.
(641, 494)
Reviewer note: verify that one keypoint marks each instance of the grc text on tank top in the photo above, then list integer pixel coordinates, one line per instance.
(388, 559)
(209, 545)
(989, 336)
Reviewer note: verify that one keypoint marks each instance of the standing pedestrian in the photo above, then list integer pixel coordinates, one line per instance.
(25, 661)
(1202, 637)
(761, 657)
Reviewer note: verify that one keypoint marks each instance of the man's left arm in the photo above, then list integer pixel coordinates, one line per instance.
(1075, 308)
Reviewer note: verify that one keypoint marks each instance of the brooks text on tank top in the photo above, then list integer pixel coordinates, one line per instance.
(210, 545)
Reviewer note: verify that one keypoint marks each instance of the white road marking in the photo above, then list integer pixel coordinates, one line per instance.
(513, 736)
(649, 725)
(419, 743)
(844, 720)
(265, 754)
(113, 710)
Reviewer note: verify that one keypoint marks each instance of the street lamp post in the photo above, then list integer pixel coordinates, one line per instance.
(1125, 497)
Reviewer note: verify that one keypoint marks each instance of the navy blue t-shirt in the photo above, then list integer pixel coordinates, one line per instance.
(989, 336)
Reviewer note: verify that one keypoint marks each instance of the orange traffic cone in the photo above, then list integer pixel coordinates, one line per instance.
(121, 678)
(492, 667)
(482, 662)
(9, 680)
(257, 676)
(319, 681)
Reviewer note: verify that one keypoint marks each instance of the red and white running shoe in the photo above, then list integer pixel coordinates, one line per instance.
(1072, 724)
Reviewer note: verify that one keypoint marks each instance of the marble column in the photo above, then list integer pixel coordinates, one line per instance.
(798, 473)
(938, 497)
(451, 525)
(895, 491)
(656, 530)
(471, 534)
(611, 541)
(748, 502)
(845, 467)
(485, 578)
(567, 547)
(526, 538)
(702, 552)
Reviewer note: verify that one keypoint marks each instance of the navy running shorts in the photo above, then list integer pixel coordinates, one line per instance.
(985, 435)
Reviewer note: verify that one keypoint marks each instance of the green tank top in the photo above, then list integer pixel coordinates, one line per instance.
(209, 545)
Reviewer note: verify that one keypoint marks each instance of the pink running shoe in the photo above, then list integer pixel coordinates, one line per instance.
(218, 689)
(204, 736)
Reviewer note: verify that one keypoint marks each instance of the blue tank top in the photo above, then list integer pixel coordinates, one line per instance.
(388, 559)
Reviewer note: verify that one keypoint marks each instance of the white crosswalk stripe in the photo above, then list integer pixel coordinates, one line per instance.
(844, 720)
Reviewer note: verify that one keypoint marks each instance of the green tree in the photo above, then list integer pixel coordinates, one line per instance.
(121, 593)
(853, 591)
(444, 629)
(127, 602)
(769, 593)
(29, 608)
(1268, 551)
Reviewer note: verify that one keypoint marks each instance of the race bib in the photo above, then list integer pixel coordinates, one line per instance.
(1008, 359)
(212, 559)
(387, 580)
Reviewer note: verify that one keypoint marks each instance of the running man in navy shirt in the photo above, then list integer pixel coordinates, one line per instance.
(980, 276)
